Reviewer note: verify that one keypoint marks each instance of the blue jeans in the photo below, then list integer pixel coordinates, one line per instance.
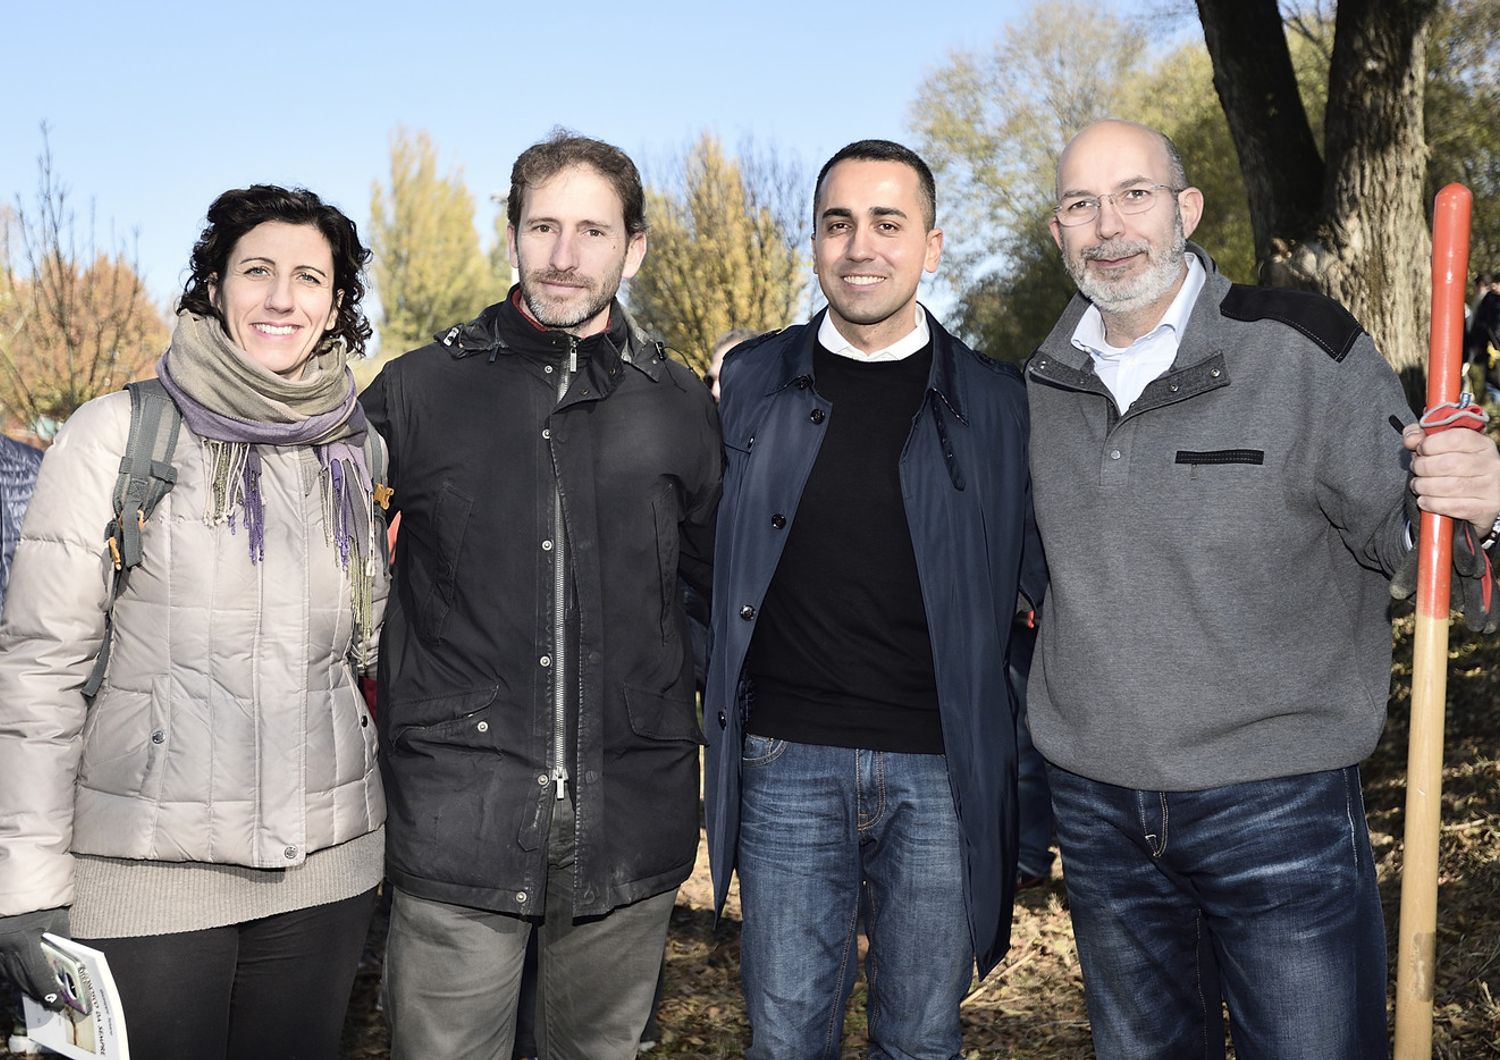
(1263, 892)
(815, 824)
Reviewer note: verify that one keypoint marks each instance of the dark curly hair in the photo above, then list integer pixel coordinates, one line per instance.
(239, 210)
(542, 161)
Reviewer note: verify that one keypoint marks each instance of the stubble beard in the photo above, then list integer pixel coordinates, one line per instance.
(562, 316)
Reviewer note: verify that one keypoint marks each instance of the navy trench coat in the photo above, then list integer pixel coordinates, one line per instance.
(967, 496)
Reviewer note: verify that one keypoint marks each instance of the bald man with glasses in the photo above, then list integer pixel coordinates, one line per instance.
(1220, 475)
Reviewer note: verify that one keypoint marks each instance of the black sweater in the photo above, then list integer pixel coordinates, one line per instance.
(841, 655)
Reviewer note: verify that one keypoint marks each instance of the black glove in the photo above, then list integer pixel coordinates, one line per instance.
(1472, 588)
(21, 957)
(1475, 591)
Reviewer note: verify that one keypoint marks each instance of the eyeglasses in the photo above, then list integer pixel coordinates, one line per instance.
(1084, 209)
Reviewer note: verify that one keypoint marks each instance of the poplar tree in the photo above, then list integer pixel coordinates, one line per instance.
(429, 270)
(724, 250)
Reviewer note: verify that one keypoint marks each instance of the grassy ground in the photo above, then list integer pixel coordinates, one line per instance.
(1032, 1005)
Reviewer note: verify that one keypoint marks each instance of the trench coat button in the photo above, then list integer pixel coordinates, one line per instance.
(778, 521)
(817, 415)
(158, 737)
(723, 721)
(521, 897)
(747, 612)
(290, 853)
(483, 726)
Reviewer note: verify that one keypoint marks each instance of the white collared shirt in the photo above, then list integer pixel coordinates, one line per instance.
(1127, 371)
(833, 341)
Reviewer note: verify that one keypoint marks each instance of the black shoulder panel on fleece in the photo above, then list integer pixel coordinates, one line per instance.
(1319, 318)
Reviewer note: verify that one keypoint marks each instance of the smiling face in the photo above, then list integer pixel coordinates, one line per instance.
(871, 245)
(1128, 265)
(572, 249)
(276, 295)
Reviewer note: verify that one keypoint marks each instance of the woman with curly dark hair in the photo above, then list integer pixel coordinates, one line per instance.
(211, 819)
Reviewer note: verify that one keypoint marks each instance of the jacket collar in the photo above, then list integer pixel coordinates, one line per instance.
(797, 362)
(623, 343)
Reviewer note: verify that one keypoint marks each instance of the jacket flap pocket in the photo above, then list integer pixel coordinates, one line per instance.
(434, 710)
(659, 717)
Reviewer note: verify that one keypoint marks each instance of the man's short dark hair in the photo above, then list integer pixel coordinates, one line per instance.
(884, 151)
(542, 161)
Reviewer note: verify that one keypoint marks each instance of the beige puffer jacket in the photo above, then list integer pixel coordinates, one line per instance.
(230, 727)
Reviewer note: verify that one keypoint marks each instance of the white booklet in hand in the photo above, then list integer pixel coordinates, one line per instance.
(91, 1026)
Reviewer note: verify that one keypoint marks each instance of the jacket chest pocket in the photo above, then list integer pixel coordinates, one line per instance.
(664, 513)
(1204, 462)
(435, 563)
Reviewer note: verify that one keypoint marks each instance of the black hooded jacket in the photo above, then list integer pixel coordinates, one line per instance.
(520, 661)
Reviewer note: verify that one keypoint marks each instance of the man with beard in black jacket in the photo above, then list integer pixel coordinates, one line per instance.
(555, 473)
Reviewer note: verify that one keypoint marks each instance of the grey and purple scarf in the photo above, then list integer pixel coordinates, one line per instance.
(234, 406)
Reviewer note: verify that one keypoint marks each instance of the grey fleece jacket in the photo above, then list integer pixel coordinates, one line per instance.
(1219, 552)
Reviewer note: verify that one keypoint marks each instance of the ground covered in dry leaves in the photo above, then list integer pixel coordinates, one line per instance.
(1031, 1006)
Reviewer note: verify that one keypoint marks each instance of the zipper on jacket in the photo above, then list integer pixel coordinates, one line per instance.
(560, 607)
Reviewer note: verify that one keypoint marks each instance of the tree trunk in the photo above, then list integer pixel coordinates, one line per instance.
(1365, 243)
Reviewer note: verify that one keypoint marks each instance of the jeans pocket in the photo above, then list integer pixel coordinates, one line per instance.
(761, 750)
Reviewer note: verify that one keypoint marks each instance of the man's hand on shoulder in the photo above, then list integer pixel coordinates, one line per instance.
(1456, 473)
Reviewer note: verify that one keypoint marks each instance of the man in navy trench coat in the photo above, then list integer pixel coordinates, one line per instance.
(878, 623)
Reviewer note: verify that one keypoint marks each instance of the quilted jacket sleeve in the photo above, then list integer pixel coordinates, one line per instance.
(50, 635)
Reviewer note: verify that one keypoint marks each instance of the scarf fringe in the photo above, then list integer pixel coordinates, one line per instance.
(350, 524)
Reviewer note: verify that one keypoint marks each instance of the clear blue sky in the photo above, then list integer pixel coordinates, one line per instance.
(155, 107)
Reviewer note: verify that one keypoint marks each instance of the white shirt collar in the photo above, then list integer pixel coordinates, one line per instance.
(1089, 334)
(832, 340)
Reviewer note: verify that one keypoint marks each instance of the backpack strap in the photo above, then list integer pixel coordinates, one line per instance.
(146, 476)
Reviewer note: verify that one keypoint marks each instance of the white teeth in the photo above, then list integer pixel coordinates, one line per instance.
(274, 329)
(863, 281)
